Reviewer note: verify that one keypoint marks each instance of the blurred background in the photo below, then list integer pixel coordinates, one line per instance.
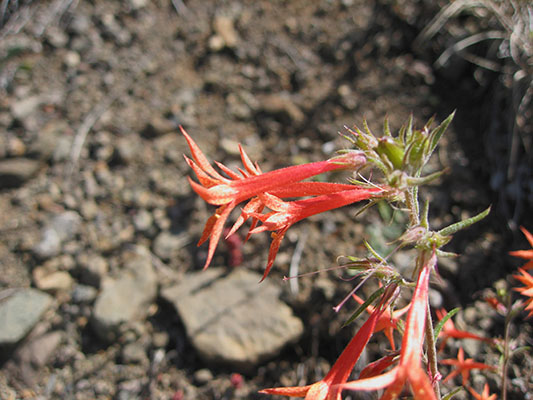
(100, 291)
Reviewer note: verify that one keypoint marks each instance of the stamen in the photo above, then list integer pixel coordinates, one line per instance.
(338, 306)
(286, 278)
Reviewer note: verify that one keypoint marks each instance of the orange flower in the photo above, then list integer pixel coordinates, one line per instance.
(527, 290)
(286, 214)
(483, 396)
(328, 388)
(525, 254)
(449, 331)
(409, 368)
(217, 190)
(387, 322)
(227, 193)
(463, 366)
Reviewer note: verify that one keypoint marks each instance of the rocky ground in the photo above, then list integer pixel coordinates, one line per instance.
(101, 294)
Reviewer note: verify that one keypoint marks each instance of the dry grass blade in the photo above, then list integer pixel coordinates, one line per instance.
(511, 23)
(469, 41)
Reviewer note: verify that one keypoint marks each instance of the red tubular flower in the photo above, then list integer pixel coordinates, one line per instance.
(527, 290)
(525, 254)
(449, 331)
(217, 190)
(286, 214)
(463, 366)
(227, 193)
(329, 388)
(409, 368)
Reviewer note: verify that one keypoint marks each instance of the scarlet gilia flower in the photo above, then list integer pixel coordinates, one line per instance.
(483, 396)
(286, 214)
(409, 368)
(463, 366)
(525, 254)
(449, 331)
(253, 185)
(527, 290)
(387, 322)
(329, 387)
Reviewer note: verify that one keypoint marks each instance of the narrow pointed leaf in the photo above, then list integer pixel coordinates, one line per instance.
(426, 179)
(437, 133)
(440, 325)
(450, 230)
(449, 396)
(364, 306)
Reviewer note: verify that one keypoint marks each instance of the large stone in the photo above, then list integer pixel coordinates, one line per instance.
(19, 312)
(126, 298)
(233, 318)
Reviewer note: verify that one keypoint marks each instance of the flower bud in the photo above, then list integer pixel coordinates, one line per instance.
(392, 150)
(353, 159)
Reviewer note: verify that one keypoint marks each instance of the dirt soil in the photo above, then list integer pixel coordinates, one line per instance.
(92, 94)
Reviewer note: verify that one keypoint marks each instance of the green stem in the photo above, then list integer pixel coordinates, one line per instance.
(432, 352)
(412, 204)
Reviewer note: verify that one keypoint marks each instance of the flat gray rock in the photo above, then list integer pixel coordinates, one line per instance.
(126, 298)
(19, 312)
(233, 318)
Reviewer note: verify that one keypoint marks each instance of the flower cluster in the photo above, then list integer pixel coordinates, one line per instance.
(400, 161)
(267, 189)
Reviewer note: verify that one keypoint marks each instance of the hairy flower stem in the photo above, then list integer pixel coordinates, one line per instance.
(412, 204)
(432, 352)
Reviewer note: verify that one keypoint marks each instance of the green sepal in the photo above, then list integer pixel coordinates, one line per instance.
(415, 156)
(447, 254)
(386, 128)
(406, 131)
(437, 133)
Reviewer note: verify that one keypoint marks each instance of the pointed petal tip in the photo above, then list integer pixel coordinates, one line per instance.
(528, 235)
(294, 391)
